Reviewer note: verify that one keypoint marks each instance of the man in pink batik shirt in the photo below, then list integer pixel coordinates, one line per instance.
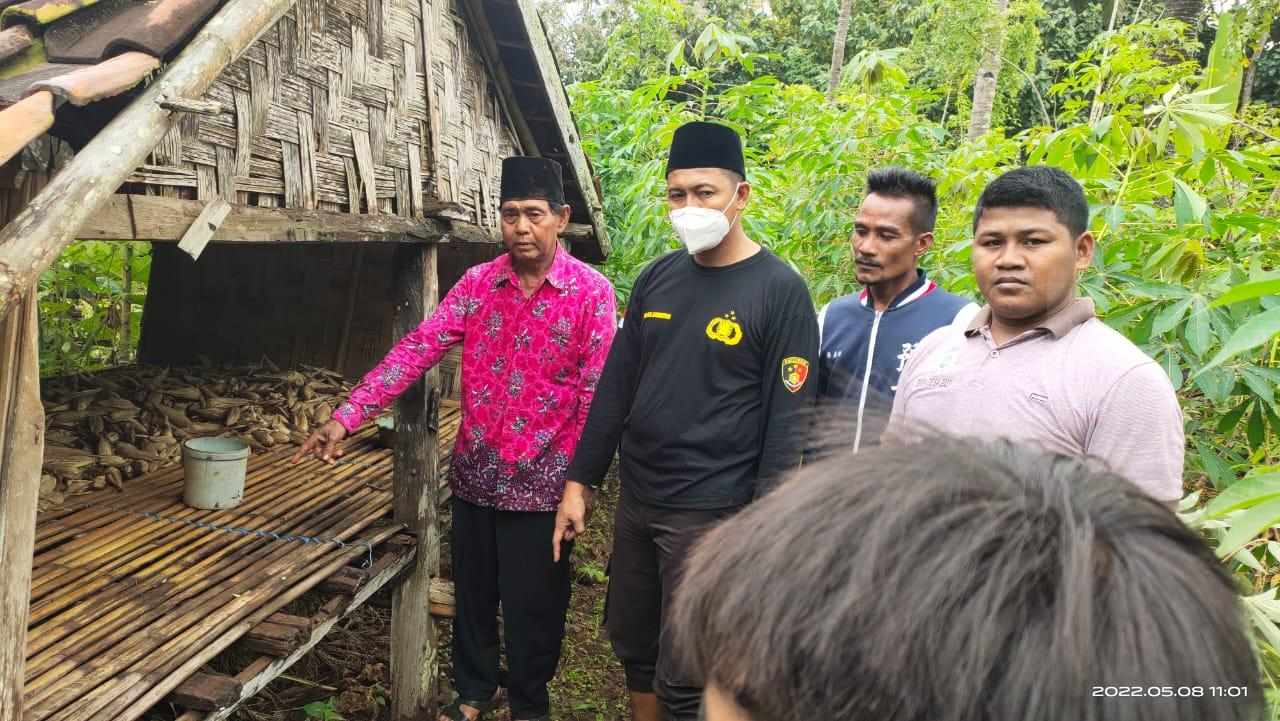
(535, 327)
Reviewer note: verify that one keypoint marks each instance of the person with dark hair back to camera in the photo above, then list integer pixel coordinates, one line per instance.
(963, 580)
(867, 337)
(705, 389)
(1036, 364)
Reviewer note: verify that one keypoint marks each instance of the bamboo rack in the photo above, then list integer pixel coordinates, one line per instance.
(125, 607)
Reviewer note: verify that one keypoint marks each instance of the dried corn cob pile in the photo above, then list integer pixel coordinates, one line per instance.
(106, 428)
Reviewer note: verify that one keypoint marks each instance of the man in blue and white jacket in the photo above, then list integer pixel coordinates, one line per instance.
(867, 336)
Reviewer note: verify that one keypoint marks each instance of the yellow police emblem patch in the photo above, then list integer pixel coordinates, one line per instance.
(795, 371)
(725, 329)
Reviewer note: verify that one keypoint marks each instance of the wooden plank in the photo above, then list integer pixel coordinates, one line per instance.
(139, 217)
(203, 228)
(267, 672)
(554, 86)
(414, 654)
(345, 582)
(207, 692)
(32, 241)
(273, 638)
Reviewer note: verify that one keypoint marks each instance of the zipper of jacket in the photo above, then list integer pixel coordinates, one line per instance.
(866, 379)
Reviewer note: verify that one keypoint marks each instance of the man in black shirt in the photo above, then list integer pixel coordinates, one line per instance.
(706, 389)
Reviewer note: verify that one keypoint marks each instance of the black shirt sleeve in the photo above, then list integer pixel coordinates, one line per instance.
(791, 355)
(612, 401)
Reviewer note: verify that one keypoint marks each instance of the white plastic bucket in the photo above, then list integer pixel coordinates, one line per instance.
(215, 469)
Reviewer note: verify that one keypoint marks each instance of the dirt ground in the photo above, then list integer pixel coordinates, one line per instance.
(347, 676)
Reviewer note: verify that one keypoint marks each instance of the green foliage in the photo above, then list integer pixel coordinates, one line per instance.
(82, 302)
(1187, 222)
(323, 711)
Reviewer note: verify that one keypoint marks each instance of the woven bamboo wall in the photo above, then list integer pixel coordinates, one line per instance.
(331, 103)
(316, 132)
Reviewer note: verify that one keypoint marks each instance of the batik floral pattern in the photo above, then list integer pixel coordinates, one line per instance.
(529, 369)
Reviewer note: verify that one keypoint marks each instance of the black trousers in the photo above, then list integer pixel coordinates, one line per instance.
(649, 548)
(505, 557)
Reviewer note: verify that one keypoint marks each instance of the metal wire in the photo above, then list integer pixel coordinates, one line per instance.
(270, 536)
(258, 533)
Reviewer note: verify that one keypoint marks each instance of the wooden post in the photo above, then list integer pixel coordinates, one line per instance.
(415, 662)
(21, 450)
(21, 455)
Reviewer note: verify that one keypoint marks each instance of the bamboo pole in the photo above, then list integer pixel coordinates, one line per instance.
(33, 240)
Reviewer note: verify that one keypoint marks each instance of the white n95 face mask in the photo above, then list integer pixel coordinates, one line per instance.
(702, 229)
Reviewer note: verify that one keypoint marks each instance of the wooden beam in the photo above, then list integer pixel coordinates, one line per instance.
(30, 244)
(578, 232)
(415, 661)
(157, 219)
(554, 87)
(484, 38)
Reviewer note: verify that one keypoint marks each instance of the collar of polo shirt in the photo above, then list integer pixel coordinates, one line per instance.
(1059, 324)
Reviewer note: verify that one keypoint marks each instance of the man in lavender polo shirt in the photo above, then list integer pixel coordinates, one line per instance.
(1036, 364)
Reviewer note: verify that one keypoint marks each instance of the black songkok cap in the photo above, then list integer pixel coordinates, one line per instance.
(525, 178)
(706, 145)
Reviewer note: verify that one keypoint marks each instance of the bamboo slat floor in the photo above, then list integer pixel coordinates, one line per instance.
(131, 592)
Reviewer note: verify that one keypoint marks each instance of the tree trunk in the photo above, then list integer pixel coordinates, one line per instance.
(984, 85)
(126, 309)
(837, 52)
(1246, 90)
(1188, 11)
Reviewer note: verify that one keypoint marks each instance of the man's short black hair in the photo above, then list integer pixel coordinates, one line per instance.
(954, 580)
(903, 183)
(1038, 186)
